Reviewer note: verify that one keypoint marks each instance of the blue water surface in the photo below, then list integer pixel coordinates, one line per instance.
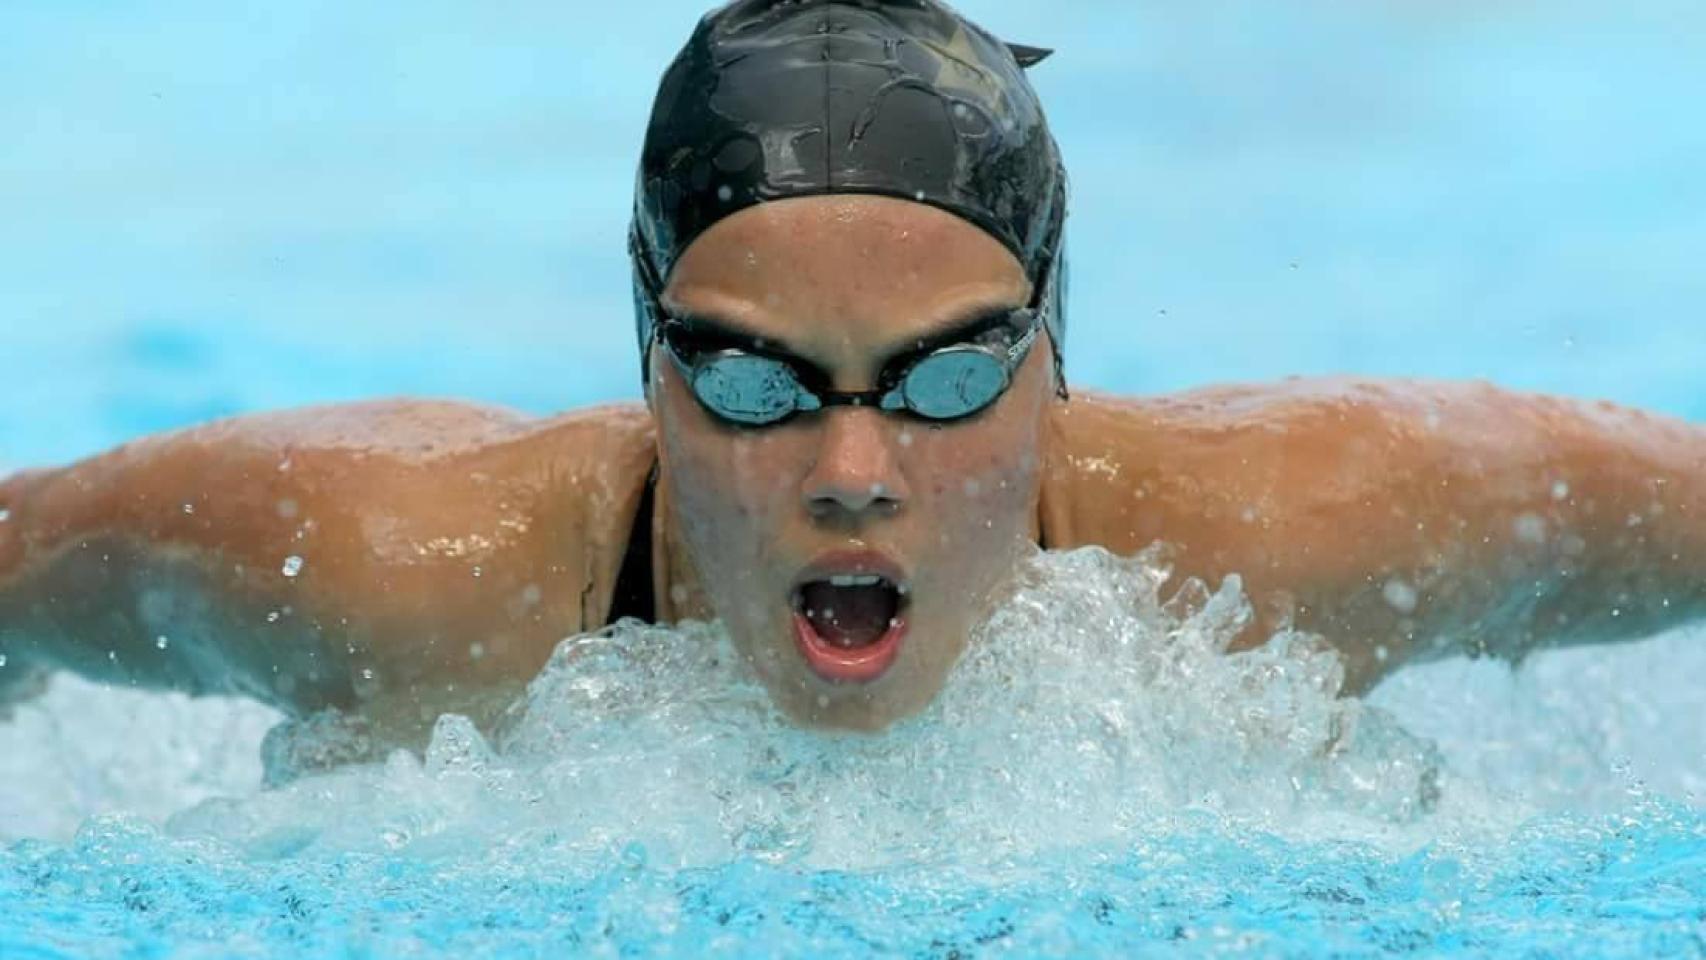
(214, 208)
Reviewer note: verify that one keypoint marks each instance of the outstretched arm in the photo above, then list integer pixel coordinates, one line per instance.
(415, 557)
(1403, 520)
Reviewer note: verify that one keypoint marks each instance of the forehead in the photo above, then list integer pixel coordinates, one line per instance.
(849, 258)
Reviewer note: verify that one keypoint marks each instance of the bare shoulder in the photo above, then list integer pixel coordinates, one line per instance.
(1220, 458)
(399, 429)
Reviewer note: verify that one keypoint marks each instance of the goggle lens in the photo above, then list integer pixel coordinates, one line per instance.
(953, 383)
(748, 389)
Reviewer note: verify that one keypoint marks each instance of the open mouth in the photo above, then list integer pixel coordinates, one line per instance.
(849, 626)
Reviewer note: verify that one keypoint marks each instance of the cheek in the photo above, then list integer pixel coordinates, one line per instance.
(731, 491)
(982, 489)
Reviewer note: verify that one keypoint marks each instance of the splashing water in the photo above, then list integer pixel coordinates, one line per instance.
(1099, 771)
(1088, 704)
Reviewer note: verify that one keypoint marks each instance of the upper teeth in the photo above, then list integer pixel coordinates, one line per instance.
(854, 580)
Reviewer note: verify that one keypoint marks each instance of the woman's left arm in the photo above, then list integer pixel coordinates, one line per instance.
(1406, 520)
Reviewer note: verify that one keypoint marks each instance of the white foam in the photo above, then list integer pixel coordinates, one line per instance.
(1093, 708)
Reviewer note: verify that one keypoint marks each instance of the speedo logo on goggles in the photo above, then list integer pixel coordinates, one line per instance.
(743, 384)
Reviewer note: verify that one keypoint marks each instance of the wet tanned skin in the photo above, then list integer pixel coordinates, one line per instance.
(447, 548)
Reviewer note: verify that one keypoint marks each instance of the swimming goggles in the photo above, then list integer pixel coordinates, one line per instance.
(745, 386)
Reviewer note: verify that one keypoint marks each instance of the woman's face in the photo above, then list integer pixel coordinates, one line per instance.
(910, 527)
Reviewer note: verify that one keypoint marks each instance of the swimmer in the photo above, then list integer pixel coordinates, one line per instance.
(849, 283)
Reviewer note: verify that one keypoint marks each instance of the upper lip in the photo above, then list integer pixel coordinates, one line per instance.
(856, 563)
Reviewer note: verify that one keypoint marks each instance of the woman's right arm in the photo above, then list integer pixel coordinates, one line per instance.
(407, 558)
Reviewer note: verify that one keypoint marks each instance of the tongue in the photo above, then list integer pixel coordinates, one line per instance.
(849, 616)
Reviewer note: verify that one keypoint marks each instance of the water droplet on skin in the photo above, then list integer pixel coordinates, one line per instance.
(476, 572)
(1399, 595)
(272, 616)
(1560, 490)
(161, 643)
(189, 508)
(292, 566)
(287, 509)
(367, 673)
(1529, 528)
(905, 438)
(5, 514)
(972, 487)
(476, 650)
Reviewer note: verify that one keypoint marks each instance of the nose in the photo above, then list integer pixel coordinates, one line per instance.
(857, 471)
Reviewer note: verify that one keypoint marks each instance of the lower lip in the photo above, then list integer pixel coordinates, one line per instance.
(858, 665)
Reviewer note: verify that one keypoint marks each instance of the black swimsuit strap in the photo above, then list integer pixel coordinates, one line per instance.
(634, 583)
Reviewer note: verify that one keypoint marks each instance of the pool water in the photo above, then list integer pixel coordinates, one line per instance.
(218, 210)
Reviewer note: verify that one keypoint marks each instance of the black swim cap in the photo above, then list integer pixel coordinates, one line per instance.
(793, 98)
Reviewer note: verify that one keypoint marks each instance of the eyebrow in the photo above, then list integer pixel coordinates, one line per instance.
(960, 327)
